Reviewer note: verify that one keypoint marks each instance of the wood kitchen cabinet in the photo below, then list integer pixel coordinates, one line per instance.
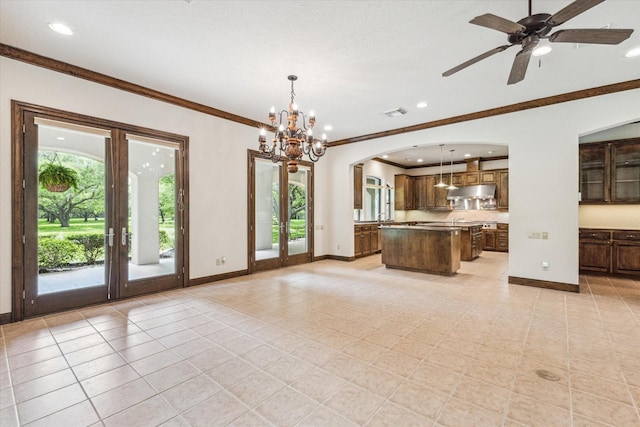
(458, 179)
(614, 252)
(502, 237)
(497, 239)
(489, 240)
(419, 192)
(472, 178)
(470, 242)
(403, 193)
(488, 177)
(626, 252)
(357, 186)
(625, 172)
(441, 194)
(366, 239)
(502, 189)
(610, 172)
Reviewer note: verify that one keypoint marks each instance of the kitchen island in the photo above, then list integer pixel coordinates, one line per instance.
(422, 248)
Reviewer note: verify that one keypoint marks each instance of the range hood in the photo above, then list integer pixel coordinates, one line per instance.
(473, 197)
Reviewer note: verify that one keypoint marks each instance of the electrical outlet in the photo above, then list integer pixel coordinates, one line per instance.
(217, 261)
(534, 235)
(338, 247)
(544, 265)
(545, 235)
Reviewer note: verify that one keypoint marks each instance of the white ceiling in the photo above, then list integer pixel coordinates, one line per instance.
(354, 59)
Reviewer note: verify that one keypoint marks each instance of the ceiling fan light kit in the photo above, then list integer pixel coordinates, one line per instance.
(534, 29)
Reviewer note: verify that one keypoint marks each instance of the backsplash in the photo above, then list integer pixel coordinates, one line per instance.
(470, 215)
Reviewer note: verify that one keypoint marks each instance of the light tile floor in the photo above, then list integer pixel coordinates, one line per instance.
(335, 344)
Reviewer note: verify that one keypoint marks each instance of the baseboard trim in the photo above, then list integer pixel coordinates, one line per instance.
(558, 286)
(217, 277)
(341, 258)
(5, 318)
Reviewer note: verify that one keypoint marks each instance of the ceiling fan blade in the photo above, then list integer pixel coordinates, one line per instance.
(571, 11)
(494, 22)
(476, 59)
(520, 64)
(595, 36)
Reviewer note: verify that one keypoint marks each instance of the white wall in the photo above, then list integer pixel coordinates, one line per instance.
(218, 159)
(543, 176)
(543, 169)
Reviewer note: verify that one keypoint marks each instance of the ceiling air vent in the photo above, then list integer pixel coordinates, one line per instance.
(395, 112)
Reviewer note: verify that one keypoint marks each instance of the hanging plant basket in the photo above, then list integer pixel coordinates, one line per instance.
(57, 178)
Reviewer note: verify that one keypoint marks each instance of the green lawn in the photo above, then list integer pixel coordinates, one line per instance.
(79, 226)
(296, 227)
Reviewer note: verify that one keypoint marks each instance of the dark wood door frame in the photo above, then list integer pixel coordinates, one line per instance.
(251, 244)
(20, 111)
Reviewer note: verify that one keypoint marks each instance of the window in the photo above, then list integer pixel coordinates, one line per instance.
(376, 201)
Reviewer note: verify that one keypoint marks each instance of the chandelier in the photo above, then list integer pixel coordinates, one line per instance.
(290, 140)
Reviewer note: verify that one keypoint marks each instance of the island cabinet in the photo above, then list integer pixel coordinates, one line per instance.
(616, 252)
(421, 248)
(470, 242)
(365, 239)
(610, 172)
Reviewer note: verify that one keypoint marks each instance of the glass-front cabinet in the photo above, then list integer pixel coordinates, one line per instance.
(610, 172)
(625, 174)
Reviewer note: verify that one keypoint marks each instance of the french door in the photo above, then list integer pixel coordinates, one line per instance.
(280, 214)
(117, 231)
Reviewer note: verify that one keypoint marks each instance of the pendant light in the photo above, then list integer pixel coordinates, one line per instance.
(441, 184)
(451, 186)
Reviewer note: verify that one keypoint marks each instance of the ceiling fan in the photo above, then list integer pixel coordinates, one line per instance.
(528, 31)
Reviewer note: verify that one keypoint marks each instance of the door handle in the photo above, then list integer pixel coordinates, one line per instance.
(110, 236)
(124, 236)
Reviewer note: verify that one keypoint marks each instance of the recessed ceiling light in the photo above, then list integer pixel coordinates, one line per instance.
(633, 53)
(328, 127)
(60, 138)
(422, 104)
(60, 28)
(468, 155)
(386, 156)
(490, 152)
(420, 160)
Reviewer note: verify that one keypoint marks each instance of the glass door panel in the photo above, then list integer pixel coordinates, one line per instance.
(281, 214)
(267, 213)
(148, 239)
(297, 242)
(70, 221)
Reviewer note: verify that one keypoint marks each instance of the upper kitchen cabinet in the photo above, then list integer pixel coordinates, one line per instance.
(625, 172)
(502, 189)
(403, 193)
(610, 172)
(357, 186)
